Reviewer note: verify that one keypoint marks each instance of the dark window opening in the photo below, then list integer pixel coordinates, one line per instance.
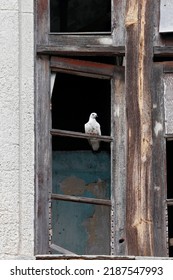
(169, 152)
(169, 148)
(78, 173)
(73, 99)
(80, 16)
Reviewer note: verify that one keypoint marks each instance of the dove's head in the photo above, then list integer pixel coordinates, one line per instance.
(93, 116)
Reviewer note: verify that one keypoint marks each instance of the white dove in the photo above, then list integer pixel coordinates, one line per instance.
(93, 127)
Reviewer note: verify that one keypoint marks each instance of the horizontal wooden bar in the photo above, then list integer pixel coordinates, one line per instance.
(83, 257)
(76, 65)
(98, 257)
(66, 133)
(169, 202)
(77, 50)
(163, 51)
(61, 249)
(79, 199)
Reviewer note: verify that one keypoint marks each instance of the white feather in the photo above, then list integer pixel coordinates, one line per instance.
(93, 127)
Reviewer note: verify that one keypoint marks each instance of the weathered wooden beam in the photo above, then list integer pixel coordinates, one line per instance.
(163, 51)
(79, 199)
(83, 257)
(71, 50)
(139, 53)
(42, 156)
(81, 66)
(66, 133)
(159, 162)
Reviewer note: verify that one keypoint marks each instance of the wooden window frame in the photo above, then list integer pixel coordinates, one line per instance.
(44, 131)
(52, 43)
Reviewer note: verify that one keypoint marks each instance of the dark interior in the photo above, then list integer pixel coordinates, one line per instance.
(74, 98)
(169, 147)
(80, 15)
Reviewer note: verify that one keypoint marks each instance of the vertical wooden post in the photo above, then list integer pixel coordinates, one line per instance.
(42, 156)
(139, 226)
(118, 161)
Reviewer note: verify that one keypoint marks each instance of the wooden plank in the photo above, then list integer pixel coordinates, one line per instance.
(79, 50)
(42, 21)
(84, 257)
(75, 40)
(163, 51)
(118, 17)
(139, 49)
(87, 67)
(65, 133)
(118, 159)
(42, 156)
(81, 199)
(159, 163)
(61, 250)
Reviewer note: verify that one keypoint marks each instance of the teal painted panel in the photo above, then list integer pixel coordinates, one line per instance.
(81, 228)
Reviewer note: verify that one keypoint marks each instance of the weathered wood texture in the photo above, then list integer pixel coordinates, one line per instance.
(139, 218)
(87, 50)
(118, 128)
(79, 199)
(81, 67)
(118, 16)
(99, 257)
(42, 156)
(59, 132)
(42, 22)
(159, 163)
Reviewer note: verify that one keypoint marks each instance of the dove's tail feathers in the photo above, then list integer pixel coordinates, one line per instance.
(95, 144)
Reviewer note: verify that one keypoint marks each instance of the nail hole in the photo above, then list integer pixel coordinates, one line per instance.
(121, 240)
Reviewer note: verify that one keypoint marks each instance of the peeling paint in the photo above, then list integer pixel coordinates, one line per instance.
(157, 128)
(116, 111)
(132, 13)
(105, 41)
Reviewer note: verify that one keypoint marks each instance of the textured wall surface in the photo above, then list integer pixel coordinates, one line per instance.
(16, 129)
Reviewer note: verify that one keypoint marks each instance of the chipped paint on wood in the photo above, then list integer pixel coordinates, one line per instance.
(157, 128)
(131, 13)
(81, 228)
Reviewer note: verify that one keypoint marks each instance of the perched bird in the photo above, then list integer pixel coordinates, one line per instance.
(93, 127)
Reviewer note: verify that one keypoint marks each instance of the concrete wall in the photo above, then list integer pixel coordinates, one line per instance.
(16, 129)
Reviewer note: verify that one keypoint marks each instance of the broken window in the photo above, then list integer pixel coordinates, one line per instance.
(80, 16)
(81, 178)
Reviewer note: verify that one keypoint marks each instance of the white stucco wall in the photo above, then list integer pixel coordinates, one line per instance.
(16, 129)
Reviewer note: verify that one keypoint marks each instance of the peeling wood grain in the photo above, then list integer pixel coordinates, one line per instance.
(131, 13)
(139, 120)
